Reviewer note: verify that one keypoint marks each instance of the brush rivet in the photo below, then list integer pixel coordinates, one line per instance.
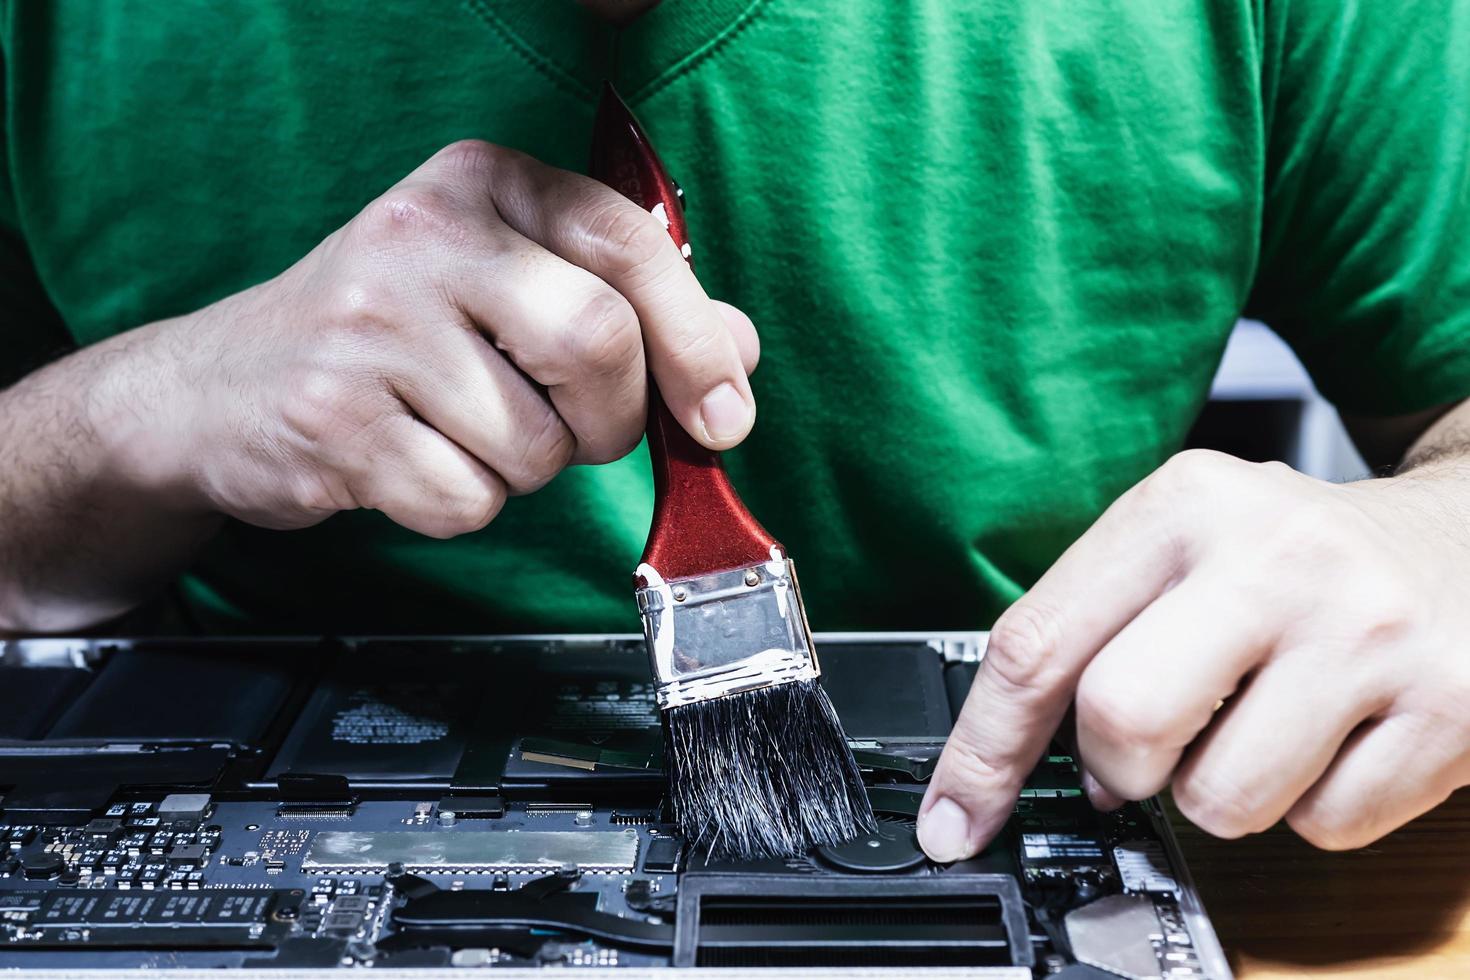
(752, 577)
(680, 594)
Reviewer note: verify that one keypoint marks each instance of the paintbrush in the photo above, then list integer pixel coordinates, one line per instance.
(757, 761)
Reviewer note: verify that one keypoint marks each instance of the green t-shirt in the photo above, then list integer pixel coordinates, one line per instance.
(994, 250)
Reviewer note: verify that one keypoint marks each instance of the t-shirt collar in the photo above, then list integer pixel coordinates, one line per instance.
(578, 51)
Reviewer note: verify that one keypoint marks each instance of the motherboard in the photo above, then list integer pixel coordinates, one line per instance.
(499, 803)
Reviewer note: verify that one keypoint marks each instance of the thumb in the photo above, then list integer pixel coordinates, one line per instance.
(699, 359)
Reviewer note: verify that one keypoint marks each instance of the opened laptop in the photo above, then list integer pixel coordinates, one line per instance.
(430, 806)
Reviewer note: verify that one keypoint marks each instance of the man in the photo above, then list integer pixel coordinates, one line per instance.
(994, 250)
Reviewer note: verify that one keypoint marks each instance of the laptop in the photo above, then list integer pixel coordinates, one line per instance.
(427, 806)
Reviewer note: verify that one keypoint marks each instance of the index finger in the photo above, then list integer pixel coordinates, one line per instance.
(687, 343)
(1037, 651)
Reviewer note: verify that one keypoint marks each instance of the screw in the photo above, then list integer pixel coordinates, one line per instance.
(680, 594)
(752, 577)
(362, 951)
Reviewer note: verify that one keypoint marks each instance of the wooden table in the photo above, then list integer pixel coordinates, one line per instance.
(1400, 908)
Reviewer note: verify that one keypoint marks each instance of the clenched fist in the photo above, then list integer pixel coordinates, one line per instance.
(1267, 644)
(483, 324)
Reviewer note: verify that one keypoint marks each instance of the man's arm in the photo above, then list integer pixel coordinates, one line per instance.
(92, 517)
(485, 323)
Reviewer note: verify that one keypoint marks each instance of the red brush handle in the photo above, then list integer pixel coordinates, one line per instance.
(699, 524)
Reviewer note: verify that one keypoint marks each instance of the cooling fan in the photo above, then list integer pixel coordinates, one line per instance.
(892, 848)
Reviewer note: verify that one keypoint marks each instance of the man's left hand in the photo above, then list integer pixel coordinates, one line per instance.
(1270, 645)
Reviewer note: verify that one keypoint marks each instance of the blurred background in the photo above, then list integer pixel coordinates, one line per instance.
(1263, 406)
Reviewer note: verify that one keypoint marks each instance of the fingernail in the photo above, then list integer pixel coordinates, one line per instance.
(725, 414)
(1098, 795)
(1091, 787)
(944, 831)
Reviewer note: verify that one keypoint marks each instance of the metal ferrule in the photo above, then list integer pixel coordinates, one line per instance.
(716, 635)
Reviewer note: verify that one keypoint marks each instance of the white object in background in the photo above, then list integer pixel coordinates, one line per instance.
(1259, 366)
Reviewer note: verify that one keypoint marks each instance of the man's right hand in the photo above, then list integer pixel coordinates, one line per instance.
(483, 324)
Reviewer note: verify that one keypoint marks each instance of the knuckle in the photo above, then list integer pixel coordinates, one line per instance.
(544, 454)
(469, 157)
(1215, 805)
(478, 512)
(1389, 612)
(1115, 714)
(692, 347)
(403, 212)
(619, 444)
(624, 238)
(1441, 705)
(1022, 647)
(358, 307)
(967, 764)
(1310, 531)
(327, 407)
(312, 494)
(1326, 831)
(606, 339)
(467, 511)
(1193, 472)
(412, 215)
(315, 407)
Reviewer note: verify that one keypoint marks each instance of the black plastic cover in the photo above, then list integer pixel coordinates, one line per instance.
(886, 691)
(32, 697)
(209, 692)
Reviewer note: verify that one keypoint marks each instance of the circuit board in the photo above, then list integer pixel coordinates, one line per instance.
(465, 803)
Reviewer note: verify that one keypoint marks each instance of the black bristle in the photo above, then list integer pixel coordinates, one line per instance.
(766, 773)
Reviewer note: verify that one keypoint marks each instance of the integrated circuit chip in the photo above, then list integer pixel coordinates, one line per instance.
(473, 852)
(100, 909)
